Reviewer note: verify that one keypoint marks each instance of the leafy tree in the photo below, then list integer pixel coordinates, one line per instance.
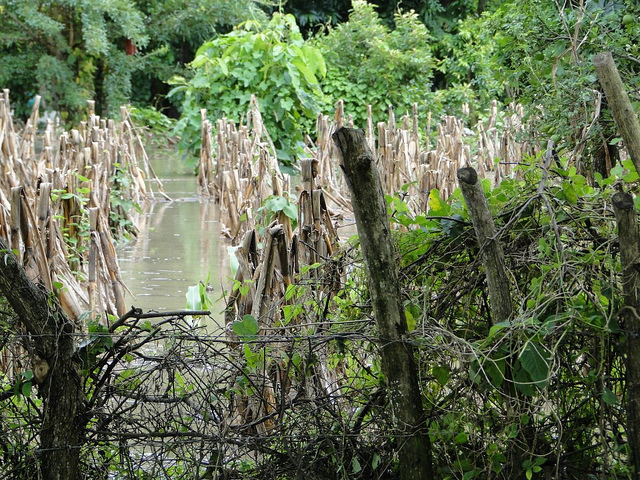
(541, 54)
(176, 29)
(312, 13)
(69, 51)
(271, 61)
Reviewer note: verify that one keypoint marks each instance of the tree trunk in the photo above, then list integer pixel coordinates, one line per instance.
(629, 238)
(618, 100)
(381, 263)
(55, 369)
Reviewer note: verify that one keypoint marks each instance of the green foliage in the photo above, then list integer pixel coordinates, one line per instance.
(70, 51)
(247, 328)
(269, 60)
(556, 363)
(159, 126)
(120, 222)
(368, 63)
(198, 298)
(275, 205)
(542, 53)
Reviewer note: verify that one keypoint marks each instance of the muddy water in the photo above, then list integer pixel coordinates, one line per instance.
(179, 244)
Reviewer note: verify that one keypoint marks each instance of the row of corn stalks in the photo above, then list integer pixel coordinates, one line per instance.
(56, 207)
(240, 170)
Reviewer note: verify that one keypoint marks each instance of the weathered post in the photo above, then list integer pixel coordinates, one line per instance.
(381, 263)
(490, 247)
(56, 370)
(629, 239)
(618, 100)
(501, 303)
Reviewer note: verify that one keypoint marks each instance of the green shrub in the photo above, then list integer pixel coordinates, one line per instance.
(271, 61)
(368, 63)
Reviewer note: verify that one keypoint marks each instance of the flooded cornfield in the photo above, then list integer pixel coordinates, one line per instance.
(179, 243)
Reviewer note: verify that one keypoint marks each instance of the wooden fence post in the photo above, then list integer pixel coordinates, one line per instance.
(629, 239)
(490, 247)
(619, 103)
(381, 262)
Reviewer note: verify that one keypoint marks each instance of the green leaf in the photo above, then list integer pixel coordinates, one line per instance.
(296, 359)
(26, 389)
(442, 374)
(355, 465)
(534, 360)
(461, 438)
(569, 193)
(247, 328)
(411, 321)
(193, 298)
(375, 461)
(437, 206)
(497, 327)
(609, 397)
(291, 211)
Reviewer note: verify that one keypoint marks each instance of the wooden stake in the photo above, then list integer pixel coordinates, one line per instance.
(619, 103)
(629, 237)
(398, 364)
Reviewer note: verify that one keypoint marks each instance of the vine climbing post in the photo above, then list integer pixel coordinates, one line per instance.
(381, 263)
(629, 239)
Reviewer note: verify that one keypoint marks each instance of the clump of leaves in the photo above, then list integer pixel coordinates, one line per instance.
(271, 61)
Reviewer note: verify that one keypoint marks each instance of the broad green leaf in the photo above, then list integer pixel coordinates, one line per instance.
(442, 374)
(26, 389)
(306, 71)
(355, 465)
(534, 360)
(495, 371)
(193, 298)
(570, 193)
(497, 327)
(437, 206)
(461, 438)
(375, 461)
(609, 397)
(246, 328)
(296, 359)
(291, 211)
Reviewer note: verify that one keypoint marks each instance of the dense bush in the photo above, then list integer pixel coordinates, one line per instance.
(541, 53)
(271, 61)
(369, 63)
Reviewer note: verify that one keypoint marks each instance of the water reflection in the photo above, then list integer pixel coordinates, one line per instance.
(179, 245)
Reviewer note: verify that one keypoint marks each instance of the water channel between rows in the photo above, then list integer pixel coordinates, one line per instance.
(179, 244)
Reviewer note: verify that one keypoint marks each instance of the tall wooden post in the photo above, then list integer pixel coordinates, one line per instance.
(490, 247)
(618, 100)
(629, 238)
(381, 263)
